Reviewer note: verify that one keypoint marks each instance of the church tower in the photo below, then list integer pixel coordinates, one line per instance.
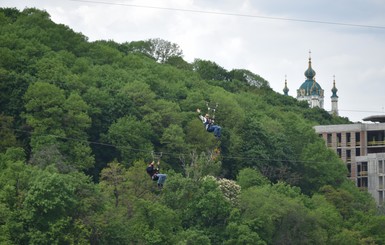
(334, 98)
(310, 90)
(286, 89)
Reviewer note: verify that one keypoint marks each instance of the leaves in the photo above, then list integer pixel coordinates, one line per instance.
(102, 107)
(131, 137)
(161, 50)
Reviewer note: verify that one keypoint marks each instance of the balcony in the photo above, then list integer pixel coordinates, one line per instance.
(348, 159)
(376, 143)
(362, 173)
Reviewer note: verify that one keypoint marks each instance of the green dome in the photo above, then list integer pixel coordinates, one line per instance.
(309, 73)
(310, 86)
(286, 89)
(334, 90)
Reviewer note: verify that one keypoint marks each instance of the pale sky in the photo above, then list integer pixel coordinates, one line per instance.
(271, 38)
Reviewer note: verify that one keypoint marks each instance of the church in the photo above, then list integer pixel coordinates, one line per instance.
(313, 93)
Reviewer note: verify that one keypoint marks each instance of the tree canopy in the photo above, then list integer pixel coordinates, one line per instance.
(79, 121)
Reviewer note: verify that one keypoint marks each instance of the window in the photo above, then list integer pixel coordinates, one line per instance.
(362, 169)
(358, 138)
(348, 155)
(329, 139)
(348, 139)
(339, 152)
(362, 182)
(349, 166)
(358, 152)
(338, 139)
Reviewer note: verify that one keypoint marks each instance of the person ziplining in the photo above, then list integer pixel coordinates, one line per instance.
(154, 172)
(209, 125)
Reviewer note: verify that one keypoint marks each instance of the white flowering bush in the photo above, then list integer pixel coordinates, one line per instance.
(230, 190)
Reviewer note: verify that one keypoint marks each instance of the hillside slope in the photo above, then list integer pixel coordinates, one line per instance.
(73, 109)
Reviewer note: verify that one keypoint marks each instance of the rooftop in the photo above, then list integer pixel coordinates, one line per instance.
(375, 118)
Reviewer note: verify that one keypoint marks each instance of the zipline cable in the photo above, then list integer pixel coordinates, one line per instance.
(174, 155)
(233, 14)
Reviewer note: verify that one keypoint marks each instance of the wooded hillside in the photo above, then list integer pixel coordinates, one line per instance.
(80, 121)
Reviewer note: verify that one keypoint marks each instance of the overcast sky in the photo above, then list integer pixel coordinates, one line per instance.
(271, 38)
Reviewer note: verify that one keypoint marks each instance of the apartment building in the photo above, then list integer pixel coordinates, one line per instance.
(362, 147)
(371, 175)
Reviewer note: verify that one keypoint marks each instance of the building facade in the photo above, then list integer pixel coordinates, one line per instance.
(371, 175)
(362, 147)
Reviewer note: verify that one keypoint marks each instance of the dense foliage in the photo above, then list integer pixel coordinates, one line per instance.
(79, 121)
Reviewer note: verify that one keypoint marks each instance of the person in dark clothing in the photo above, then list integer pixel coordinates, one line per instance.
(155, 175)
(209, 124)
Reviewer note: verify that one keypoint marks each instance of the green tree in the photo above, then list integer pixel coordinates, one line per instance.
(53, 68)
(48, 200)
(102, 52)
(173, 140)
(200, 204)
(373, 228)
(179, 63)
(209, 70)
(198, 137)
(278, 215)
(153, 223)
(132, 138)
(242, 234)
(54, 117)
(249, 177)
(161, 50)
(256, 143)
(321, 167)
(346, 237)
(136, 46)
(44, 113)
(134, 98)
(193, 237)
(112, 178)
(12, 87)
(328, 216)
(15, 177)
(7, 135)
(198, 166)
(249, 78)
(139, 184)
(173, 137)
(55, 206)
(348, 199)
(161, 114)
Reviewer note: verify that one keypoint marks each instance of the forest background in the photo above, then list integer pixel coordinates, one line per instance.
(79, 122)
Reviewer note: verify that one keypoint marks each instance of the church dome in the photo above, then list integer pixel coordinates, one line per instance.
(334, 90)
(310, 86)
(309, 73)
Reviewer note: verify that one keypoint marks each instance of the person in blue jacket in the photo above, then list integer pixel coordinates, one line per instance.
(209, 124)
